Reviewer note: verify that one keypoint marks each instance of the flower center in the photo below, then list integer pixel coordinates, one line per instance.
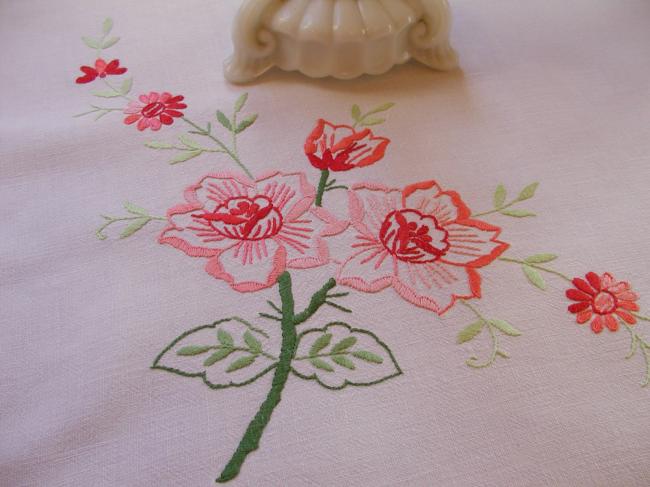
(414, 237)
(604, 303)
(153, 109)
(245, 218)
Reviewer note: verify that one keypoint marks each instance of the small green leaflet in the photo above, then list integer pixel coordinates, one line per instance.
(320, 343)
(110, 42)
(528, 192)
(225, 338)
(186, 156)
(343, 361)
(187, 142)
(368, 356)
(321, 364)
(241, 362)
(356, 113)
(126, 86)
(91, 42)
(106, 94)
(217, 356)
(534, 277)
(193, 350)
(158, 145)
(540, 258)
(517, 213)
(244, 124)
(505, 327)
(223, 120)
(107, 26)
(373, 121)
(134, 209)
(344, 344)
(500, 196)
(253, 343)
(241, 101)
(134, 227)
(470, 332)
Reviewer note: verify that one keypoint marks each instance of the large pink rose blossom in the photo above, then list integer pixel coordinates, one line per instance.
(251, 231)
(421, 241)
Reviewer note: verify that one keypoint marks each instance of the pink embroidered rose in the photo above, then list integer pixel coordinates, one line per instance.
(250, 231)
(341, 148)
(421, 241)
(154, 110)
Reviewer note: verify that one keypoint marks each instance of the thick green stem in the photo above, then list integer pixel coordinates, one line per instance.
(251, 440)
(324, 176)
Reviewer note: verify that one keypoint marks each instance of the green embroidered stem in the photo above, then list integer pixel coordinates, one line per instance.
(500, 205)
(250, 441)
(641, 344)
(317, 300)
(324, 175)
(496, 210)
(536, 266)
(491, 325)
(207, 133)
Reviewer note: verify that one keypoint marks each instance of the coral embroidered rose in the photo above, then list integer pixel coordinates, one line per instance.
(250, 232)
(101, 70)
(341, 148)
(154, 110)
(604, 299)
(421, 241)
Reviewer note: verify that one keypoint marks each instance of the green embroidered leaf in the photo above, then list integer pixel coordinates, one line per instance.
(241, 363)
(344, 344)
(368, 356)
(225, 338)
(253, 343)
(528, 192)
(107, 26)
(540, 258)
(334, 367)
(247, 122)
(500, 196)
(189, 142)
(373, 121)
(134, 227)
(185, 156)
(223, 120)
(126, 86)
(91, 42)
(110, 42)
(517, 213)
(534, 277)
(106, 94)
(134, 209)
(221, 360)
(343, 361)
(193, 350)
(241, 101)
(321, 364)
(469, 332)
(320, 343)
(505, 327)
(356, 113)
(217, 356)
(158, 145)
(381, 108)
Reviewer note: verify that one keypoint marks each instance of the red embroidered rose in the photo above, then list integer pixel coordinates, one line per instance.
(604, 299)
(154, 110)
(251, 231)
(101, 70)
(341, 148)
(421, 241)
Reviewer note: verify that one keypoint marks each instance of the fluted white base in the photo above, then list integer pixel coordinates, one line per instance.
(340, 38)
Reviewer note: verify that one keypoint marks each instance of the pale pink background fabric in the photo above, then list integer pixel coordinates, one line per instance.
(550, 91)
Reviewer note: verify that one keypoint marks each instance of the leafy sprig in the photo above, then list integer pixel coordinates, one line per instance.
(139, 217)
(103, 41)
(504, 207)
(367, 119)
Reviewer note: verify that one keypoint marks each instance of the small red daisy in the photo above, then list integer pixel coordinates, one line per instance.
(154, 110)
(604, 299)
(101, 70)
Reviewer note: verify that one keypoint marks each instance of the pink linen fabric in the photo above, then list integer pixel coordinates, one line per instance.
(550, 91)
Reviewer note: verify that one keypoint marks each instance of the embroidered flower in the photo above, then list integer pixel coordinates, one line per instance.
(154, 110)
(341, 148)
(604, 299)
(101, 70)
(421, 241)
(250, 232)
